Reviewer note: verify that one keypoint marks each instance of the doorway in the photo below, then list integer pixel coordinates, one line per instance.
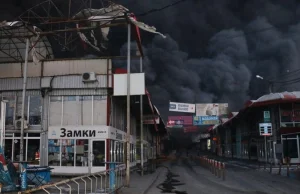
(98, 154)
(291, 147)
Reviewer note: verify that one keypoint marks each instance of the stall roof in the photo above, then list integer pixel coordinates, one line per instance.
(268, 99)
(274, 98)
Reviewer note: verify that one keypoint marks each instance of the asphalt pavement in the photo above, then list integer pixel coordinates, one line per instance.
(186, 176)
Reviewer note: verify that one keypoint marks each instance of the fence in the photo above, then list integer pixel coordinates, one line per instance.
(216, 167)
(103, 182)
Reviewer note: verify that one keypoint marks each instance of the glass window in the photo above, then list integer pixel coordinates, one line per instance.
(100, 110)
(19, 107)
(67, 152)
(290, 148)
(54, 152)
(35, 110)
(10, 109)
(33, 151)
(82, 148)
(8, 150)
(55, 110)
(85, 110)
(122, 152)
(70, 110)
(98, 153)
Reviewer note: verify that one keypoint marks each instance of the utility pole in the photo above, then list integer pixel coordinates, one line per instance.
(128, 107)
(23, 100)
(142, 123)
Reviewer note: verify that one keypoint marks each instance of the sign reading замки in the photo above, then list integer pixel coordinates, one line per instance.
(182, 107)
(85, 132)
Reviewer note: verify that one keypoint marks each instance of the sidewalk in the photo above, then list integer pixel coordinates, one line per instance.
(141, 184)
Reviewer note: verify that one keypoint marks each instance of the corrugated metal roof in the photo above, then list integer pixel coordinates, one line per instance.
(9, 84)
(75, 81)
(274, 98)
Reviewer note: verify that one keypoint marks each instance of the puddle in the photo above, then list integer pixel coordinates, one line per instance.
(168, 186)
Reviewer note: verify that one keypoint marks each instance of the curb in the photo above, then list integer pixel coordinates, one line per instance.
(153, 181)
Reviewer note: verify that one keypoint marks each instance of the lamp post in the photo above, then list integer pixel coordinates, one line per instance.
(269, 82)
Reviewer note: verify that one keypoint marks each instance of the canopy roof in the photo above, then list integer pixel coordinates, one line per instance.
(13, 46)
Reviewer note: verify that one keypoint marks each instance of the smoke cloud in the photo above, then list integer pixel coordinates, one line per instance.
(213, 49)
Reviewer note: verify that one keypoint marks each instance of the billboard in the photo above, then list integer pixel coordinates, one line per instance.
(179, 121)
(205, 120)
(137, 84)
(212, 109)
(182, 107)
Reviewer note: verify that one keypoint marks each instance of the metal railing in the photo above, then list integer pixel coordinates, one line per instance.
(102, 182)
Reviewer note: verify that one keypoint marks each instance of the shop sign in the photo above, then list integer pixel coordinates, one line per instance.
(81, 132)
(181, 107)
(205, 120)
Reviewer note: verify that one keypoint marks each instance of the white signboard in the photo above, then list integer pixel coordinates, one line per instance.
(265, 129)
(211, 109)
(137, 84)
(182, 107)
(85, 132)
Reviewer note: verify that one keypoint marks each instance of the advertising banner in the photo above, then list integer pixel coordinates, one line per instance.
(182, 107)
(179, 121)
(212, 109)
(205, 120)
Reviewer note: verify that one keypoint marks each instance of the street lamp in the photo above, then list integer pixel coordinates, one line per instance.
(269, 82)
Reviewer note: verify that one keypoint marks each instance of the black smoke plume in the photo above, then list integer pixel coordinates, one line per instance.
(213, 50)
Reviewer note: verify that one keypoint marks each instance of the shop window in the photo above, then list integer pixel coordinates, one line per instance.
(117, 148)
(100, 110)
(70, 110)
(122, 147)
(55, 111)
(98, 153)
(33, 151)
(35, 110)
(54, 152)
(82, 148)
(85, 110)
(67, 152)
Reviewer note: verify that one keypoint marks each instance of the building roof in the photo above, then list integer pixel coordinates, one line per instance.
(13, 46)
(274, 98)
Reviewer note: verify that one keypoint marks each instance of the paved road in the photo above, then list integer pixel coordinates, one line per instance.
(193, 179)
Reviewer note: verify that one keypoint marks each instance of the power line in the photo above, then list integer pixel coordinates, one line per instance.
(160, 9)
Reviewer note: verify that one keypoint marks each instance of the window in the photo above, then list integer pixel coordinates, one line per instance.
(77, 110)
(70, 110)
(31, 147)
(98, 153)
(35, 110)
(82, 148)
(55, 110)
(67, 152)
(10, 109)
(54, 152)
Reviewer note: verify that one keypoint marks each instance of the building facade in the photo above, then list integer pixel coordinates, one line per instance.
(72, 124)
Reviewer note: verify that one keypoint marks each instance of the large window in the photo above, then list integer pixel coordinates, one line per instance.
(77, 110)
(117, 151)
(33, 109)
(71, 152)
(290, 115)
(31, 147)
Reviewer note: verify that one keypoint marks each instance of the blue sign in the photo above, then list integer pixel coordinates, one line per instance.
(205, 120)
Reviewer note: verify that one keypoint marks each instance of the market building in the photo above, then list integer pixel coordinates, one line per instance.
(243, 135)
(73, 121)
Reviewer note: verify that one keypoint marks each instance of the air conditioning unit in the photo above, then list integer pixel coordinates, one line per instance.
(89, 77)
(19, 122)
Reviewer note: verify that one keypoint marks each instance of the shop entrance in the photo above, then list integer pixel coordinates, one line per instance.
(98, 155)
(291, 147)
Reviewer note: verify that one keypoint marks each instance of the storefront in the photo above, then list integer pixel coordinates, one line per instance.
(85, 149)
